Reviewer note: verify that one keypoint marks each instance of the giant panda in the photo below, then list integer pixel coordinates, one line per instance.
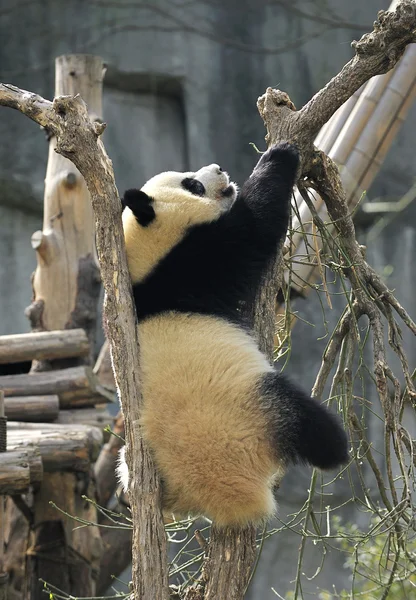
(221, 422)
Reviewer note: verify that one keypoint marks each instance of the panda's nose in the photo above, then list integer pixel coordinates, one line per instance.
(215, 168)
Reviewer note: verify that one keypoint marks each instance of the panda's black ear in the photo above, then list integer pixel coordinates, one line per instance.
(140, 205)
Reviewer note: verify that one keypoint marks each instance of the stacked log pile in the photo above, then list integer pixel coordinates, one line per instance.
(57, 411)
(53, 422)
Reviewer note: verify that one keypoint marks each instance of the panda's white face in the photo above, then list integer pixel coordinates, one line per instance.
(180, 201)
(208, 191)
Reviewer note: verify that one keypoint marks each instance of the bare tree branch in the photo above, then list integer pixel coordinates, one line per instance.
(78, 139)
(334, 23)
(376, 53)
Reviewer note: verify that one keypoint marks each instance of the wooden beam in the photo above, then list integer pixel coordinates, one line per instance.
(19, 470)
(61, 447)
(76, 386)
(66, 287)
(43, 345)
(32, 408)
(97, 416)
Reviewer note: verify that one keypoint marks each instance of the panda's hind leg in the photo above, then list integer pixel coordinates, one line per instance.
(302, 430)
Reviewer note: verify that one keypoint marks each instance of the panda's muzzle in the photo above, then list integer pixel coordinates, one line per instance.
(229, 191)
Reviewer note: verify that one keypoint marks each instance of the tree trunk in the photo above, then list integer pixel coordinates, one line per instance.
(66, 286)
(66, 283)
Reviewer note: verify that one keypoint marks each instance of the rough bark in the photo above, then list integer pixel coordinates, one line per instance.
(66, 283)
(76, 387)
(78, 139)
(32, 408)
(43, 345)
(19, 470)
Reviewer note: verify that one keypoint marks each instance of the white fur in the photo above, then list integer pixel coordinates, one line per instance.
(176, 211)
(122, 469)
(202, 419)
(200, 374)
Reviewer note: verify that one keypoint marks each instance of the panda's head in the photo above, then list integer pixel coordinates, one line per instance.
(158, 216)
(207, 191)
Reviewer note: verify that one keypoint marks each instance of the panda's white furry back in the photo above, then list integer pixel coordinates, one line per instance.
(222, 423)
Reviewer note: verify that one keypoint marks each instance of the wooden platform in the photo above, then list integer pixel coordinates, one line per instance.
(70, 447)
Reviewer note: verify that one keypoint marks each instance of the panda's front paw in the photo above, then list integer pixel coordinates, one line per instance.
(284, 154)
(140, 205)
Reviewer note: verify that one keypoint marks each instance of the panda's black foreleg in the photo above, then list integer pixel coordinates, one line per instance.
(140, 204)
(301, 429)
(268, 190)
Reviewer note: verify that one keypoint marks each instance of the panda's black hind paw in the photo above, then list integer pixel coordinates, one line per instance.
(140, 205)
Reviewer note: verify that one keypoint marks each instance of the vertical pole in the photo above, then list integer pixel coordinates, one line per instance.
(66, 287)
(3, 448)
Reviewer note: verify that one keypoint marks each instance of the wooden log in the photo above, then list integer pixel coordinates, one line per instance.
(62, 447)
(77, 386)
(74, 565)
(32, 408)
(19, 470)
(66, 288)
(43, 345)
(98, 416)
(3, 442)
(67, 283)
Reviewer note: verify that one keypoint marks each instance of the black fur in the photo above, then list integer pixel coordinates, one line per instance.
(301, 429)
(194, 186)
(217, 268)
(140, 205)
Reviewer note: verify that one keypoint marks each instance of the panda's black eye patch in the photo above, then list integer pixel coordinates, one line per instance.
(194, 186)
